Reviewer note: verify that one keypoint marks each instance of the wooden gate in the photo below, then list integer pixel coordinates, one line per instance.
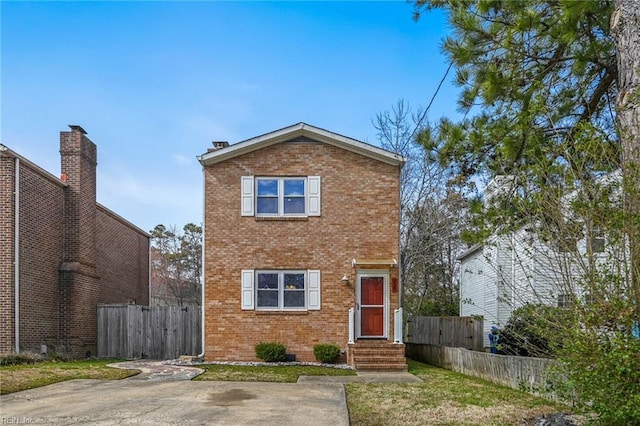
(456, 332)
(154, 332)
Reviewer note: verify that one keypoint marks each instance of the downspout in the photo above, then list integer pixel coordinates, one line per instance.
(16, 254)
(400, 260)
(202, 267)
(149, 270)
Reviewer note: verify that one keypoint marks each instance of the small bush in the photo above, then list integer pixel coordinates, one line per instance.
(58, 357)
(271, 351)
(21, 358)
(326, 352)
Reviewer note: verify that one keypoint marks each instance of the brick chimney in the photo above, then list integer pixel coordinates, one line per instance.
(78, 277)
(79, 160)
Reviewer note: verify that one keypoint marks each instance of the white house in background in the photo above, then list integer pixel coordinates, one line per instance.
(510, 270)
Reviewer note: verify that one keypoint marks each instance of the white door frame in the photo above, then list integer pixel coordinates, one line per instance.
(365, 273)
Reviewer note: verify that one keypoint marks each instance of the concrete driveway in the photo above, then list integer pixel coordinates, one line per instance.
(142, 402)
(163, 393)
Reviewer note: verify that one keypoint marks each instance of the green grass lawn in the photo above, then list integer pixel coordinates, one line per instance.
(14, 378)
(267, 373)
(444, 398)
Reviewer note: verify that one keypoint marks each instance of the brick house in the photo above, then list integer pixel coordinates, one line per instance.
(301, 245)
(61, 253)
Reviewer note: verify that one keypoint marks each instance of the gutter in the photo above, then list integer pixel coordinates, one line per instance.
(16, 253)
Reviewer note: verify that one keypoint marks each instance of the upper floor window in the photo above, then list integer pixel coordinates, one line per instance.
(280, 196)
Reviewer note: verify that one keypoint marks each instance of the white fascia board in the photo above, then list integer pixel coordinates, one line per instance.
(469, 252)
(301, 129)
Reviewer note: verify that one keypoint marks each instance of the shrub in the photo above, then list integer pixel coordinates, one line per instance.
(534, 331)
(326, 352)
(58, 357)
(21, 358)
(271, 351)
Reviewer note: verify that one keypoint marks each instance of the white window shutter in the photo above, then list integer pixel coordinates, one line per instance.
(313, 196)
(247, 195)
(314, 290)
(247, 289)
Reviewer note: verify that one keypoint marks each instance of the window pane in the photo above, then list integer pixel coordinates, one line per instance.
(294, 205)
(269, 281)
(597, 245)
(294, 299)
(294, 187)
(294, 281)
(267, 298)
(268, 205)
(267, 187)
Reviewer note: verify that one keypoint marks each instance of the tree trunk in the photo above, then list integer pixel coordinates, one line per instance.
(625, 26)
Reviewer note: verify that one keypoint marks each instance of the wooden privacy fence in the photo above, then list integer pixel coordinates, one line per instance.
(458, 332)
(155, 332)
(528, 374)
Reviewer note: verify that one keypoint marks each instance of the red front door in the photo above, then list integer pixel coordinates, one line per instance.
(372, 306)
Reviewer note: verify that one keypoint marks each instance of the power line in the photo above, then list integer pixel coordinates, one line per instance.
(424, 113)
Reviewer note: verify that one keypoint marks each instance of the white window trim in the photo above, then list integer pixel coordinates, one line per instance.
(281, 289)
(312, 196)
(249, 290)
(281, 180)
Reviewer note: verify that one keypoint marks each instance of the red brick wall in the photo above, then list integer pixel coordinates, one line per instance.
(41, 213)
(73, 254)
(122, 260)
(359, 220)
(7, 165)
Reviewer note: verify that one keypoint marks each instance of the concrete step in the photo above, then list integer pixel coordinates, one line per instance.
(381, 367)
(379, 351)
(379, 359)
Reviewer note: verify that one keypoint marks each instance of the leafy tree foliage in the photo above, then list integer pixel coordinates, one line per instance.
(534, 76)
(540, 80)
(176, 264)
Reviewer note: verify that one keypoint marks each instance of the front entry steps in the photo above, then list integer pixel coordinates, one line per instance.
(376, 355)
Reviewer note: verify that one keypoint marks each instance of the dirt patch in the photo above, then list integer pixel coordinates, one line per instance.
(229, 398)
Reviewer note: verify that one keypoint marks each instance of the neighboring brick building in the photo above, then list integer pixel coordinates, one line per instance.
(71, 252)
(290, 217)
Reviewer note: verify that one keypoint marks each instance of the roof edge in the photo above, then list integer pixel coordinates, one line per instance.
(468, 252)
(301, 129)
(122, 220)
(46, 174)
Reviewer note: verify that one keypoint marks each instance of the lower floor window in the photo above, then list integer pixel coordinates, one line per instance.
(281, 289)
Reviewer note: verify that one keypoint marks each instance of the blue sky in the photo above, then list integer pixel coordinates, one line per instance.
(153, 83)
